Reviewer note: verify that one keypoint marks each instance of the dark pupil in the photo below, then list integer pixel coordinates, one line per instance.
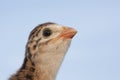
(47, 32)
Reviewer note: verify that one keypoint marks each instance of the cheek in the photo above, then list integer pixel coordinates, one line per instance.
(59, 45)
(63, 45)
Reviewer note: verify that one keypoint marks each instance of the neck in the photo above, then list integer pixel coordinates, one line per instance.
(39, 71)
(42, 65)
(25, 72)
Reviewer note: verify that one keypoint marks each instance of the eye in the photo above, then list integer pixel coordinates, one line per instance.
(47, 32)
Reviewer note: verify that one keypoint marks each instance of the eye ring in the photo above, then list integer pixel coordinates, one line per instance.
(47, 32)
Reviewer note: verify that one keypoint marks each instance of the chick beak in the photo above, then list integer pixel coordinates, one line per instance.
(68, 33)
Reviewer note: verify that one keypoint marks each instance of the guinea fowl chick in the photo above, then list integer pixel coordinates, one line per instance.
(45, 50)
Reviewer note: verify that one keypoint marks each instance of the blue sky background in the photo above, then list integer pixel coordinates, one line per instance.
(95, 51)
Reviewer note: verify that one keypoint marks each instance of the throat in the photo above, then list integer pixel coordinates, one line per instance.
(48, 67)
